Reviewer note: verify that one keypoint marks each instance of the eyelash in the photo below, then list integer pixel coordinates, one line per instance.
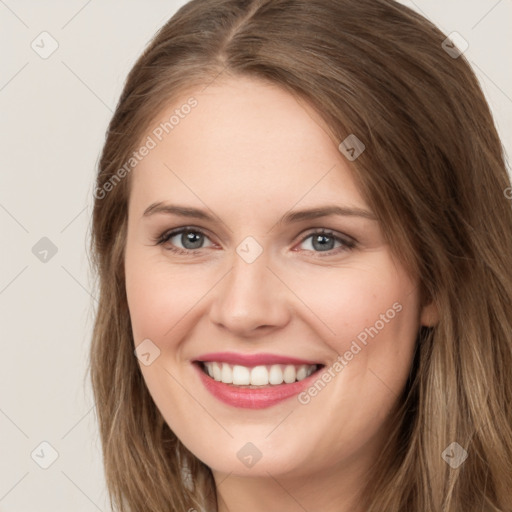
(348, 243)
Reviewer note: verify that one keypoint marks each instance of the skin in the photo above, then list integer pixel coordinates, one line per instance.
(248, 154)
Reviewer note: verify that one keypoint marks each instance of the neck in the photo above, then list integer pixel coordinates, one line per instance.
(336, 489)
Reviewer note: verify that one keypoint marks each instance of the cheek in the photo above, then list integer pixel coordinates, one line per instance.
(159, 297)
(369, 317)
(360, 303)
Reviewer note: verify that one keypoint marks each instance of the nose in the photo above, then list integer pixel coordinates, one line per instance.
(251, 299)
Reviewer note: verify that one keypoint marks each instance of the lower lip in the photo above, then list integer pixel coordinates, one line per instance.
(253, 398)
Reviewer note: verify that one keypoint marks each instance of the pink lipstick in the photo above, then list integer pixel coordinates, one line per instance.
(278, 377)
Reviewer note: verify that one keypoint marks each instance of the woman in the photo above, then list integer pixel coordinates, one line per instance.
(338, 333)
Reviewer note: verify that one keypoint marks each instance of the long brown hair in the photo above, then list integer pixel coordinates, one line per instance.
(433, 171)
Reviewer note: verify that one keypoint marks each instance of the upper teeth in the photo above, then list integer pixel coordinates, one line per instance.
(258, 375)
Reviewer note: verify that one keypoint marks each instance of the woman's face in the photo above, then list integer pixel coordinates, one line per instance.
(250, 277)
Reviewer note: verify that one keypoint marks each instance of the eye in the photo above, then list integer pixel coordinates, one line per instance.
(192, 240)
(323, 241)
(189, 237)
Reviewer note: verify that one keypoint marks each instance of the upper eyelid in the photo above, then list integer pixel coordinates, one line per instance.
(177, 231)
(312, 231)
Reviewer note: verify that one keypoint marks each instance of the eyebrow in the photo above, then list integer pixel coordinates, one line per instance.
(288, 218)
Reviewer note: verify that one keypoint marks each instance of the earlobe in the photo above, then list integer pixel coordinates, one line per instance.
(429, 315)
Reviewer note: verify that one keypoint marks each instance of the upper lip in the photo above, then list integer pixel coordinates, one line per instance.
(252, 359)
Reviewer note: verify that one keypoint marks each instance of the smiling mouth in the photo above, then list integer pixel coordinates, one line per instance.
(257, 377)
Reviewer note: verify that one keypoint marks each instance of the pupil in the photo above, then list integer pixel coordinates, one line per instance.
(193, 238)
(321, 240)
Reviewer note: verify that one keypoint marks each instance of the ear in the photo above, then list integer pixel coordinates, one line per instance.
(429, 316)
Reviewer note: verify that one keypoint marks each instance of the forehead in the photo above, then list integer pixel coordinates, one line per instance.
(245, 140)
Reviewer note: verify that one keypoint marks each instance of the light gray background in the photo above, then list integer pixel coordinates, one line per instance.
(54, 113)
